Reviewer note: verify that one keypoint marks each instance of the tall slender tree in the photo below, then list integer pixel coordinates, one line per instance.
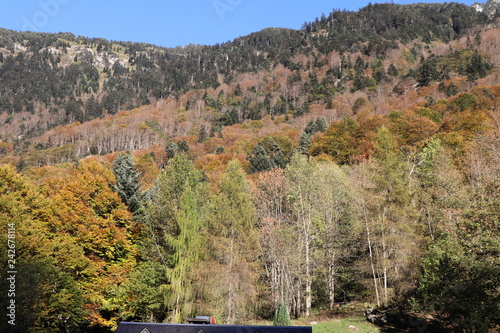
(234, 246)
(303, 186)
(128, 183)
(175, 222)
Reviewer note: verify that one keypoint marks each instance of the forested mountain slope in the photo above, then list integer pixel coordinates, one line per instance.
(48, 80)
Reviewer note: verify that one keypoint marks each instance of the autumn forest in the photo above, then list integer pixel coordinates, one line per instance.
(353, 161)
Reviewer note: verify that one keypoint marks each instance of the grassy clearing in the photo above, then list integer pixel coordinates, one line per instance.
(346, 325)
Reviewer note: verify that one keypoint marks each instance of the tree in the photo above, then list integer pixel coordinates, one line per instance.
(427, 72)
(48, 294)
(392, 70)
(460, 272)
(282, 317)
(477, 67)
(339, 141)
(183, 146)
(175, 225)
(232, 266)
(394, 229)
(321, 124)
(186, 246)
(278, 238)
(311, 128)
(304, 143)
(128, 181)
(333, 219)
(302, 184)
(260, 160)
(98, 228)
(171, 149)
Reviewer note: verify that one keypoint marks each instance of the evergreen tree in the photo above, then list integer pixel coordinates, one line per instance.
(219, 150)
(260, 160)
(477, 67)
(282, 317)
(171, 149)
(392, 70)
(202, 134)
(321, 124)
(276, 154)
(183, 146)
(305, 143)
(311, 128)
(128, 181)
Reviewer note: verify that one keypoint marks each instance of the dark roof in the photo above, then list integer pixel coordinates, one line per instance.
(126, 327)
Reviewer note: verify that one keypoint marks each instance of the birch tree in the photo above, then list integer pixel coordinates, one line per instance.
(302, 185)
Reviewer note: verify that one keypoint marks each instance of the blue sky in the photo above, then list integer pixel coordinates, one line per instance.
(167, 22)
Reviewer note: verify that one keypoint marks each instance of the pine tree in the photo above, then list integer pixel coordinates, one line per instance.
(128, 181)
(392, 70)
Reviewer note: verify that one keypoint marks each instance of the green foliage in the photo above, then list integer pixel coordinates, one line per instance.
(183, 146)
(465, 101)
(345, 325)
(186, 246)
(305, 143)
(171, 149)
(282, 317)
(428, 113)
(392, 70)
(338, 141)
(232, 267)
(477, 67)
(128, 181)
(219, 150)
(428, 72)
(260, 160)
(47, 291)
(321, 124)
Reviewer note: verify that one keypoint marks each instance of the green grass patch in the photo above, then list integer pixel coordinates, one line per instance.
(346, 325)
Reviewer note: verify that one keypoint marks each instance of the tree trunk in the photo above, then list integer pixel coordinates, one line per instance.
(331, 282)
(371, 258)
(230, 293)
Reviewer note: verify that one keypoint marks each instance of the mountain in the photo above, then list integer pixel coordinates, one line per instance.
(51, 80)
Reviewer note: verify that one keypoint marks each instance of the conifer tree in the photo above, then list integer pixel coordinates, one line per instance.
(171, 149)
(282, 317)
(232, 268)
(128, 181)
(260, 160)
(311, 128)
(175, 222)
(321, 124)
(183, 146)
(305, 143)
